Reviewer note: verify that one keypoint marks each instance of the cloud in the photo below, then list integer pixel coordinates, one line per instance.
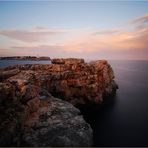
(31, 35)
(42, 50)
(39, 47)
(141, 19)
(90, 42)
(125, 45)
(114, 43)
(123, 39)
(106, 31)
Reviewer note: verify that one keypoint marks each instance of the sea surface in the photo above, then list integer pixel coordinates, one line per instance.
(5, 63)
(121, 120)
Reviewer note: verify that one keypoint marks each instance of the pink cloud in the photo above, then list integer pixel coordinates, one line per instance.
(87, 43)
(106, 31)
(125, 40)
(31, 35)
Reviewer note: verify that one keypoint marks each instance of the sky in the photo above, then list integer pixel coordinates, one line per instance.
(83, 29)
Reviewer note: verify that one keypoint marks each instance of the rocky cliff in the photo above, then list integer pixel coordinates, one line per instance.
(31, 116)
(69, 79)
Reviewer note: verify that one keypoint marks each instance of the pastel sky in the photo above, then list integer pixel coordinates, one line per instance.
(86, 29)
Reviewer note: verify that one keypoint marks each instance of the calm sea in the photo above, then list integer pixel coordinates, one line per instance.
(5, 63)
(122, 120)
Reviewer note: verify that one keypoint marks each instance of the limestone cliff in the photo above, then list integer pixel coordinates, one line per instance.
(30, 116)
(69, 79)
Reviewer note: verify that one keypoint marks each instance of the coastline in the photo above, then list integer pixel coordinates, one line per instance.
(32, 87)
(31, 58)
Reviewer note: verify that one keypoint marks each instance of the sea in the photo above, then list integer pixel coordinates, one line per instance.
(5, 63)
(121, 120)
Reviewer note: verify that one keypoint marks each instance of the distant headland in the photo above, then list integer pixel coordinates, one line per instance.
(32, 58)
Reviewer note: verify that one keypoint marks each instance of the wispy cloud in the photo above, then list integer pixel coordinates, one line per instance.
(107, 31)
(123, 40)
(86, 42)
(39, 47)
(31, 35)
(141, 19)
(118, 38)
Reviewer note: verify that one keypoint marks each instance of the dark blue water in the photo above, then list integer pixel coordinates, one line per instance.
(122, 120)
(5, 63)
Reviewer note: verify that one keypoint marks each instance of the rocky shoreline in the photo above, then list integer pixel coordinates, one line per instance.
(31, 113)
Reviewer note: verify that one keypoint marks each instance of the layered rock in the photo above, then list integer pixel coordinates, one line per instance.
(6, 74)
(72, 79)
(67, 61)
(30, 116)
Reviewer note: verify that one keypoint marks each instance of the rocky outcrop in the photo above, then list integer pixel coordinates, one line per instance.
(31, 116)
(6, 74)
(67, 61)
(72, 79)
(57, 123)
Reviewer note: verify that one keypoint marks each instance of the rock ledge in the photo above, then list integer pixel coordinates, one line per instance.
(31, 113)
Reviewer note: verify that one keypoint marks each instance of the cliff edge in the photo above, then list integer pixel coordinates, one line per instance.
(31, 113)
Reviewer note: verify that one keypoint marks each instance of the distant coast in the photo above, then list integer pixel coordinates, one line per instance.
(32, 58)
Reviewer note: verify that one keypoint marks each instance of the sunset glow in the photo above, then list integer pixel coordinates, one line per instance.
(59, 31)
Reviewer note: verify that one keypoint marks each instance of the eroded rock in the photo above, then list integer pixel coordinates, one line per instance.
(41, 120)
(31, 116)
(57, 123)
(6, 74)
(67, 61)
(72, 79)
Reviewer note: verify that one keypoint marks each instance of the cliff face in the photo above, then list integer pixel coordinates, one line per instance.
(69, 79)
(31, 116)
